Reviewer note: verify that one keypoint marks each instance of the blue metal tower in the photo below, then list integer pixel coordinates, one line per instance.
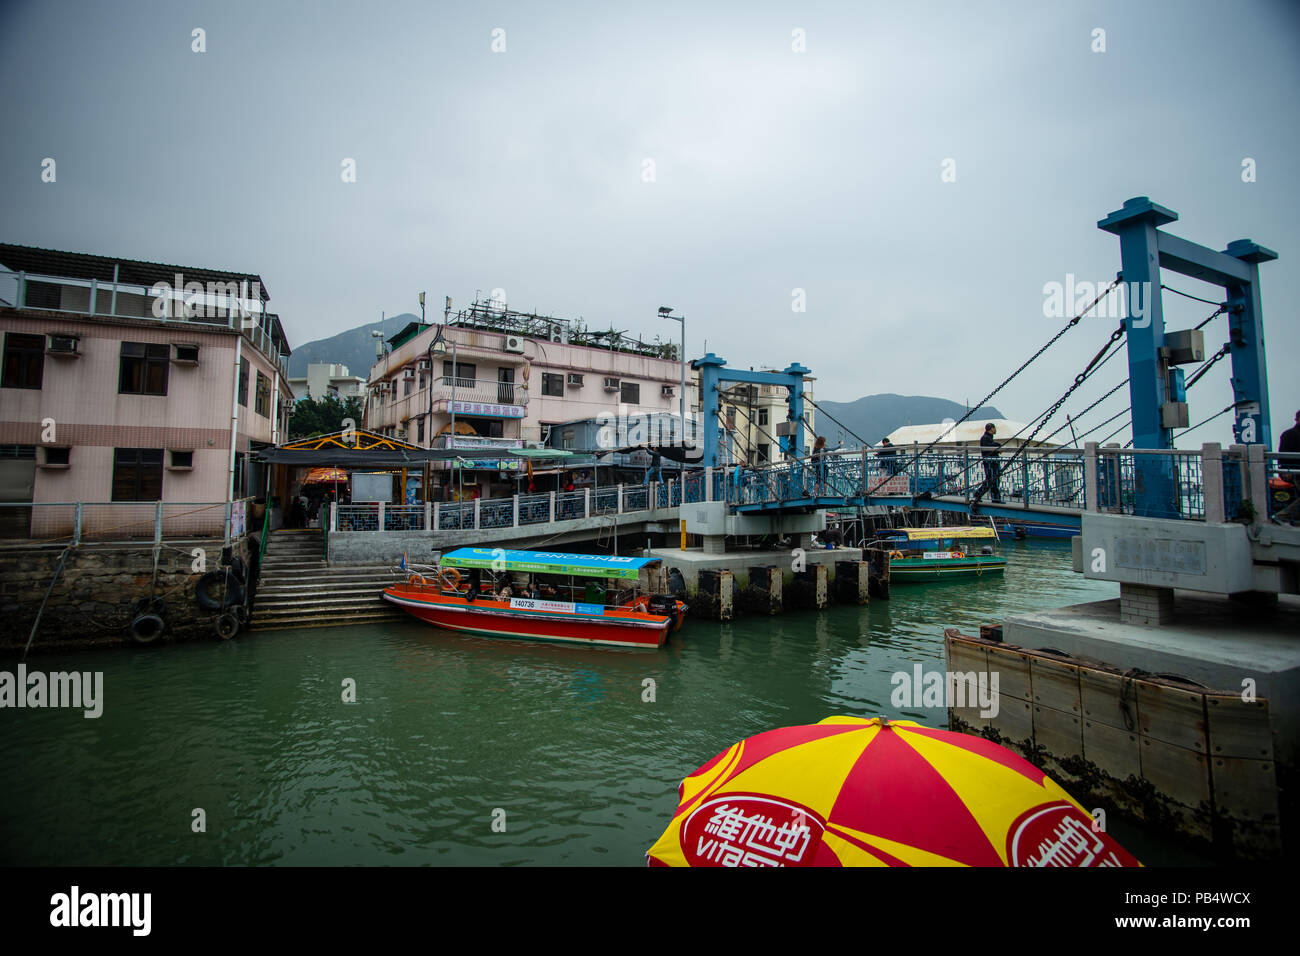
(713, 372)
(1156, 392)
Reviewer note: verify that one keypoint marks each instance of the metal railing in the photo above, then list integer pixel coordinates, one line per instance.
(92, 522)
(1170, 484)
(90, 297)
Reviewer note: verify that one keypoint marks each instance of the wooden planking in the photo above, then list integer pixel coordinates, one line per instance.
(1181, 777)
(1245, 789)
(1102, 695)
(1238, 728)
(1115, 751)
(1013, 670)
(1055, 684)
(1058, 732)
(1174, 715)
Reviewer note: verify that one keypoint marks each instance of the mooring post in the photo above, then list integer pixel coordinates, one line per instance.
(1212, 482)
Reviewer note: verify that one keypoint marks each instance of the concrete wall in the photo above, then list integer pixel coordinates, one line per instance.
(93, 600)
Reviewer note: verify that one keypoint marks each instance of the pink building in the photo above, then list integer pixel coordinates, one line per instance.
(513, 377)
(129, 381)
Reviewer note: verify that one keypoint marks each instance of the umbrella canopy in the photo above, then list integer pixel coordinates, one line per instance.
(325, 475)
(854, 792)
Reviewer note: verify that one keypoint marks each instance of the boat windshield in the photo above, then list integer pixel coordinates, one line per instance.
(548, 562)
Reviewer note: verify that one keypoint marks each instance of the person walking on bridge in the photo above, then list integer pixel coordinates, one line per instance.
(992, 467)
(1288, 467)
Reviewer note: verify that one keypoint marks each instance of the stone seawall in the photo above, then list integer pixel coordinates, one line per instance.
(95, 597)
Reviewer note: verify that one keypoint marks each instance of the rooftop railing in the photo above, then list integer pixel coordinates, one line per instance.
(95, 299)
(98, 522)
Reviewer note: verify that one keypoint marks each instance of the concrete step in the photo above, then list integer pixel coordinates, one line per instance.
(327, 620)
(317, 598)
(319, 610)
(281, 585)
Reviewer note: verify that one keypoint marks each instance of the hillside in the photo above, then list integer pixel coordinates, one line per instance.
(354, 348)
(875, 416)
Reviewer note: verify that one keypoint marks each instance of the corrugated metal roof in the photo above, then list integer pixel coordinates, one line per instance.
(80, 265)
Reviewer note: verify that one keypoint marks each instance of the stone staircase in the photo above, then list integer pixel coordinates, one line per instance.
(298, 589)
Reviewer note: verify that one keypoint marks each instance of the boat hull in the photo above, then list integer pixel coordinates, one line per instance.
(914, 570)
(612, 627)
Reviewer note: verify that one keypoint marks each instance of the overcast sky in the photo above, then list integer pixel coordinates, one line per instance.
(774, 170)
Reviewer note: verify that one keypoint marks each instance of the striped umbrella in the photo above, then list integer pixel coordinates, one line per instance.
(854, 792)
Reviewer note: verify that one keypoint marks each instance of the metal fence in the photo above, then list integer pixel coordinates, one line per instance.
(91, 522)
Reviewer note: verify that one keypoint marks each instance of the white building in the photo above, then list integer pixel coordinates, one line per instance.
(326, 378)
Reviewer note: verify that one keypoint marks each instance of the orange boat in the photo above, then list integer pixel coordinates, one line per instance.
(534, 595)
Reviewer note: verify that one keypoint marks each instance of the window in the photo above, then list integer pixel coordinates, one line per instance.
(731, 416)
(630, 393)
(462, 373)
(137, 474)
(764, 453)
(552, 385)
(24, 361)
(263, 399)
(143, 369)
(243, 382)
(419, 434)
(407, 389)
(762, 416)
(182, 459)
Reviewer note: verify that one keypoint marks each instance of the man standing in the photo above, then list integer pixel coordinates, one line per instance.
(989, 454)
(888, 456)
(1289, 468)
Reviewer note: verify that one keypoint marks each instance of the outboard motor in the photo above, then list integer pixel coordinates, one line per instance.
(987, 550)
(664, 604)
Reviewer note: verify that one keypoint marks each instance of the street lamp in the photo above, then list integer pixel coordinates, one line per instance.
(666, 312)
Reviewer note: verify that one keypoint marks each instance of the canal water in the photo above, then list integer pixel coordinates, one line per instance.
(453, 738)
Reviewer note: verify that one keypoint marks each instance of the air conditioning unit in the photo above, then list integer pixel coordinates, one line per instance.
(514, 343)
(63, 345)
(611, 385)
(409, 374)
(557, 335)
(422, 365)
(667, 391)
(186, 354)
(574, 380)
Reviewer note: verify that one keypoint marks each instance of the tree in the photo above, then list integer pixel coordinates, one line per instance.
(323, 417)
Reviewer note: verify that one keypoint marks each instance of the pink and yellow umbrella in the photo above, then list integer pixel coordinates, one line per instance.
(855, 792)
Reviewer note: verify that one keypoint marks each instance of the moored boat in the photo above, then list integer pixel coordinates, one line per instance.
(536, 595)
(929, 554)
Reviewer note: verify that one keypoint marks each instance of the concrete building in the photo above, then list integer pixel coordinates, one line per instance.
(134, 381)
(512, 379)
(324, 379)
(968, 432)
(751, 415)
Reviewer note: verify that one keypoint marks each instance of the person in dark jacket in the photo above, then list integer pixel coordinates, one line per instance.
(1289, 468)
(888, 457)
(992, 468)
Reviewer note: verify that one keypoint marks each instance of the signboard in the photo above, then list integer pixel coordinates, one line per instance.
(940, 555)
(490, 410)
(554, 607)
(371, 486)
(238, 518)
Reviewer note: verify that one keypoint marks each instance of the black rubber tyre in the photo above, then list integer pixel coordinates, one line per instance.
(147, 628)
(208, 591)
(226, 625)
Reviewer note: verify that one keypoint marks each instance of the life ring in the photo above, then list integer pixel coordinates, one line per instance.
(895, 555)
(416, 580)
(208, 590)
(453, 574)
(226, 625)
(146, 628)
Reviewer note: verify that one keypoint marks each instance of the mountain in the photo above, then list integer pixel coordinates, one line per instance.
(354, 348)
(875, 416)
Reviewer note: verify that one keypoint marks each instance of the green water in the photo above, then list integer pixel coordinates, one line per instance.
(446, 730)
